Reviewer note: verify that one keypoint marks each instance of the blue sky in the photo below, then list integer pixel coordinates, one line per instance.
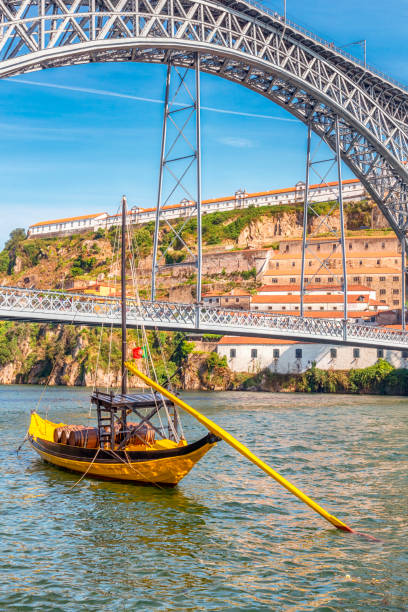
(68, 152)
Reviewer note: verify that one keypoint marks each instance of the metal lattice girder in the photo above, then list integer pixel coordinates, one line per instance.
(180, 174)
(244, 43)
(52, 307)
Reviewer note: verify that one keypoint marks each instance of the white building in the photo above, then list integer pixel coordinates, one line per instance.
(287, 356)
(352, 190)
(70, 225)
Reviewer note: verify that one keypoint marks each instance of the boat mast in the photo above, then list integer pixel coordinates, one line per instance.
(123, 298)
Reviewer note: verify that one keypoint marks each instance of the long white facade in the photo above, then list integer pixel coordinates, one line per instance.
(352, 190)
(254, 355)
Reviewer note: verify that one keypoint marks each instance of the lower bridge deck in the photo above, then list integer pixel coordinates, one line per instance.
(38, 306)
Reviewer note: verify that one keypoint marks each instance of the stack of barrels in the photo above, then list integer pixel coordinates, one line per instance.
(88, 437)
(77, 435)
(141, 434)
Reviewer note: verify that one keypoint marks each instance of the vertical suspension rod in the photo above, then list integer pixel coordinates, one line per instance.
(198, 159)
(343, 245)
(403, 281)
(123, 297)
(305, 211)
(160, 188)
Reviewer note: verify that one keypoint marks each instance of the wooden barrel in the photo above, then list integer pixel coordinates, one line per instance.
(67, 430)
(57, 434)
(144, 434)
(86, 438)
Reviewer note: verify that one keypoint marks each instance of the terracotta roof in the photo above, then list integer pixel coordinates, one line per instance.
(328, 314)
(53, 221)
(310, 299)
(251, 340)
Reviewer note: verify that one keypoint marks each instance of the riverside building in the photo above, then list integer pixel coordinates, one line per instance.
(290, 357)
(352, 190)
(374, 262)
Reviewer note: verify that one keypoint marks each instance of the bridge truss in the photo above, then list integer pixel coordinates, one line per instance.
(323, 86)
(54, 307)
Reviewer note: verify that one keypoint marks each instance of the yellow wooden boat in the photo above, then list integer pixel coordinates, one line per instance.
(164, 462)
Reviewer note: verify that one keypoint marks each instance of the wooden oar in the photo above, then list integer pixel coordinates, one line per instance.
(218, 431)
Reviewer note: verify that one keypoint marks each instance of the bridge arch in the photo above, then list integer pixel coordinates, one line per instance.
(243, 43)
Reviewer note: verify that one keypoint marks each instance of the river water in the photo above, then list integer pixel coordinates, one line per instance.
(228, 537)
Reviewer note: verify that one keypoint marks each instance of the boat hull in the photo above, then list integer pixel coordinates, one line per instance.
(163, 467)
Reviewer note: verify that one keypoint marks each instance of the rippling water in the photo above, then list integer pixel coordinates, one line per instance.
(228, 537)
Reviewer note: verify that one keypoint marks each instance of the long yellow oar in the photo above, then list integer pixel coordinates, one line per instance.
(218, 431)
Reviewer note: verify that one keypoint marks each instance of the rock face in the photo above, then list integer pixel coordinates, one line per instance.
(196, 375)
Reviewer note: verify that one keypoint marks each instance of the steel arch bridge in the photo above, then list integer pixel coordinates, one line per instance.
(244, 43)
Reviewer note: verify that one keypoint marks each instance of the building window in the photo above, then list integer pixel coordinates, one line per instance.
(356, 353)
(287, 249)
(361, 262)
(350, 246)
(395, 302)
(356, 279)
(233, 353)
(296, 307)
(380, 353)
(318, 247)
(378, 262)
(317, 280)
(254, 353)
(276, 353)
(330, 279)
(366, 245)
(383, 245)
(321, 307)
(269, 307)
(333, 353)
(405, 354)
(309, 308)
(395, 291)
(298, 353)
(310, 263)
(293, 280)
(237, 299)
(369, 279)
(334, 307)
(382, 279)
(395, 279)
(226, 299)
(274, 280)
(382, 292)
(283, 307)
(293, 264)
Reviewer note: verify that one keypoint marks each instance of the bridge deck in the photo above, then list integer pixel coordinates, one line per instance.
(55, 307)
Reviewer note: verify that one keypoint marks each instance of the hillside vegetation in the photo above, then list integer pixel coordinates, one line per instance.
(54, 262)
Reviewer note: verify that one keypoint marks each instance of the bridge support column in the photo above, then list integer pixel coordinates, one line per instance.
(179, 180)
(324, 247)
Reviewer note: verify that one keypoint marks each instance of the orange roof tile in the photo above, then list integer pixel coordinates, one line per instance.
(252, 340)
(310, 299)
(53, 221)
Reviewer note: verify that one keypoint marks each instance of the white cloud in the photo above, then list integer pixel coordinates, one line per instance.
(113, 94)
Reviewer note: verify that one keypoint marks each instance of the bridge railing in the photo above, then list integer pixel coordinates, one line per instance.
(330, 45)
(90, 309)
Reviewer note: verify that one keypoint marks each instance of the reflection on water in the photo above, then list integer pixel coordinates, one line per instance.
(227, 537)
